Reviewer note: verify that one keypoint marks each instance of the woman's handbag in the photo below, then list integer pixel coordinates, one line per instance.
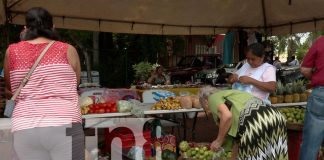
(10, 104)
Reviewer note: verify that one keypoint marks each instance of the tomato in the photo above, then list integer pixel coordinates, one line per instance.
(101, 111)
(101, 105)
(111, 103)
(108, 105)
(114, 109)
(107, 110)
(96, 106)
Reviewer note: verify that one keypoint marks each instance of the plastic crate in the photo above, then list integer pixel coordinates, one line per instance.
(127, 138)
(294, 142)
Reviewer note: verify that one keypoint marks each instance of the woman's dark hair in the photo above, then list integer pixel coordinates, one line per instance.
(257, 49)
(39, 23)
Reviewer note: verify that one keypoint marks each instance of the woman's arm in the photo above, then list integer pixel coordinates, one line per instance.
(74, 61)
(265, 86)
(225, 117)
(8, 93)
(307, 72)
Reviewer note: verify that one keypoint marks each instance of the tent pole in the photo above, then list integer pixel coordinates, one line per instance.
(264, 19)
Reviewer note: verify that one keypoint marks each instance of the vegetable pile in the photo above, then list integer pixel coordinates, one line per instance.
(198, 151)
(169, 103)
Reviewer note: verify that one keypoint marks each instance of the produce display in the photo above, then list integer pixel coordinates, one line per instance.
(290, 93)
(148, 86)
(293, 114)
(108, 107)
(199, 151)
(170, 103)
(89, 107)
(124, 106)
(175, 103)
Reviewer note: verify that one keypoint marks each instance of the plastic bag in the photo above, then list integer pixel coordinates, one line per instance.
(124, 106)
(162, 95)
(242, 87)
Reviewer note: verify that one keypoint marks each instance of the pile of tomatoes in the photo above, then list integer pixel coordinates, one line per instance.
(107, 107)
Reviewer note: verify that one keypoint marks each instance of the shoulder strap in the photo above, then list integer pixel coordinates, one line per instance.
(25, 80)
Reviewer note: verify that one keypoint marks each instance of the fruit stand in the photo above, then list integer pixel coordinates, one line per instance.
(291, 105)
(294, 114)
(99, 106)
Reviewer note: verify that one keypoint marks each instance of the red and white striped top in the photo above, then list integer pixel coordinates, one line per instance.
(50, 97)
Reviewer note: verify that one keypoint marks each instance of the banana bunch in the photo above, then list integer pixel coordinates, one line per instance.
(85, 110)
(170, 103)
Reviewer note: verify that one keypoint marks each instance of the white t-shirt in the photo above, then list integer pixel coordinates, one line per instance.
(264, 73)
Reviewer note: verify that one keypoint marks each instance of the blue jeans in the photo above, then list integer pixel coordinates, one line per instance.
(313, 132)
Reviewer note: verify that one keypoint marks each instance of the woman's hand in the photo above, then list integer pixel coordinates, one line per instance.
(232, 78)
(264, 86)
(246, 80)
(215, 145)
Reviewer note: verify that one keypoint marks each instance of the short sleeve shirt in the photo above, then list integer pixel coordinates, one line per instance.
(269, 75)
(314, 59)
(238, 100)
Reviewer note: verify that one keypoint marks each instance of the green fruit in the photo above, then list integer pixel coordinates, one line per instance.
(184, 146)
(188, 154)
(205, 148)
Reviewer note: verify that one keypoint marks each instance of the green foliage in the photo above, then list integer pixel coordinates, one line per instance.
(142, 70)
(280, 89)
(292, 44)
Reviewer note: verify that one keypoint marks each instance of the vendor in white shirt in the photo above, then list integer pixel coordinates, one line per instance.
(293, 61)
(256, 76)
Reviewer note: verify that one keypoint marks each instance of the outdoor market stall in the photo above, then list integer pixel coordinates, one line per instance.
(174, 18)
(181, 17)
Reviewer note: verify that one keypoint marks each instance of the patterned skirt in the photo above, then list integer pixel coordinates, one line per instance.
(262, 133)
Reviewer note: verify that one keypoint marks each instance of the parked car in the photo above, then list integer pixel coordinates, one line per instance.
(212, 76)
(189, 65)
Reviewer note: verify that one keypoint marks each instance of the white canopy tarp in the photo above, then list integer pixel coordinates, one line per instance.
(176, 17)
